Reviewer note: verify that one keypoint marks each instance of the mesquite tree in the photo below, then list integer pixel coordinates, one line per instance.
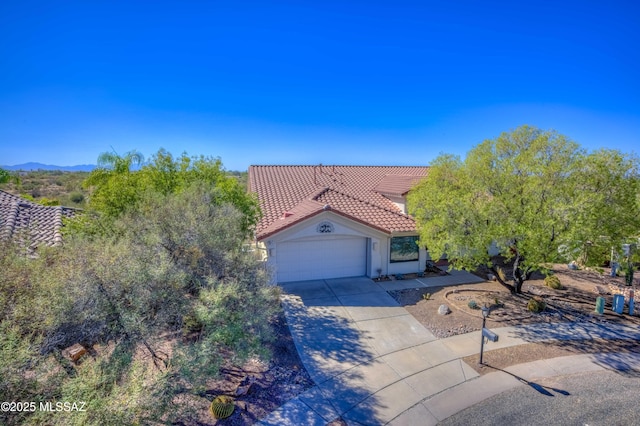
(529, 193)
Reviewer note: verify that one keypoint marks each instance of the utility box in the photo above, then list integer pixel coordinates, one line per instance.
(618, 303)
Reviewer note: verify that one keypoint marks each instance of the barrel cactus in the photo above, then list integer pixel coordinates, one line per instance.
(553, 282)
(222, 407)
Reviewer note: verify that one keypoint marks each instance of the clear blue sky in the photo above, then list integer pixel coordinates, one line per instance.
(294, 82)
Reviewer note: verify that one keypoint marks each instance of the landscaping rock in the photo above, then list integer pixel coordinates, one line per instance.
(75, 352)
(444, 310)
(245, 386)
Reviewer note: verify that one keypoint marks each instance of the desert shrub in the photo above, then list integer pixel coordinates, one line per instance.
(76, 197)
(176, 262)
(115, 388)
(536, 305)
(426, 296)
(473, 304)
(48, 201)
(553, 282)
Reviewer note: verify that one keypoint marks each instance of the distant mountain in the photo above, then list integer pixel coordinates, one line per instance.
(40, 166)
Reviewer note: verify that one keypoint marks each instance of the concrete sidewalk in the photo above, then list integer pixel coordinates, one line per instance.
(374, 364)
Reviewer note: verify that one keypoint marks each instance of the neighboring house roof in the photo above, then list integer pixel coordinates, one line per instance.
(289, 194)
(29, 223)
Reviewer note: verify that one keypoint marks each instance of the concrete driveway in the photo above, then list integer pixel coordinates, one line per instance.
(374, 364)
(370, 359)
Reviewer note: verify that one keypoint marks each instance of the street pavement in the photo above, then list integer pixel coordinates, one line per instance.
(374, 364)
(594, 398)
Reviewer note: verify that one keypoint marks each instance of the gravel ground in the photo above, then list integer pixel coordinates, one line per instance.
(575, 302)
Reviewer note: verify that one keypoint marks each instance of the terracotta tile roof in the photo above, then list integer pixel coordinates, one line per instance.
(289, 194)
(30, 223)
(397, 184)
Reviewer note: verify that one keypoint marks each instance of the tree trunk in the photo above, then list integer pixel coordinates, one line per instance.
(505, 284)
(519, 275)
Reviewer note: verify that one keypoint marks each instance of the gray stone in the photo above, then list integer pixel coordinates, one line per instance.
(444, 310)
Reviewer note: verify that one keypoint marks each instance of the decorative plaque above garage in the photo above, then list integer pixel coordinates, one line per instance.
(324, 227)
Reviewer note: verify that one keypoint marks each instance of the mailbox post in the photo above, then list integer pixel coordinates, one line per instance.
(488, 334)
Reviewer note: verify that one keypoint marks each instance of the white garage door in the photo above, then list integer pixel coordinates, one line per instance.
(317, 259)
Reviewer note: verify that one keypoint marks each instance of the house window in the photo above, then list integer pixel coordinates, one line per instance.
(404, 249)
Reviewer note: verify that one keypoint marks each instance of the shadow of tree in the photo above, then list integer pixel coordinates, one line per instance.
(612, 346)
(544, 390)
(326, 341)
(575, 303)
(576, 331)
(332, 349)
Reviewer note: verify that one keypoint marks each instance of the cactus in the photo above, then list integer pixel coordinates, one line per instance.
(536, 305)
(628, 274)
(222, 407)
(553, 282)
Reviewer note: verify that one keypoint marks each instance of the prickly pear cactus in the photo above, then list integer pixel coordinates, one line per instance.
(222, 407)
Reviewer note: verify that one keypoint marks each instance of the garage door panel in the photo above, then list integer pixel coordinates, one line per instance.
(319, 259)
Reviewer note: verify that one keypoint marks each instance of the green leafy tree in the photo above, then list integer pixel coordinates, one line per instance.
(605, 209)
(116, 188)
(524, 191)
(6, 176)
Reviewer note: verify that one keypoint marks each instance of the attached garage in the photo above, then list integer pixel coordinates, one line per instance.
(321, 222)
(328, 257)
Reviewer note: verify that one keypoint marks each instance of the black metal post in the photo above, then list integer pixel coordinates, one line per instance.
(484, 320)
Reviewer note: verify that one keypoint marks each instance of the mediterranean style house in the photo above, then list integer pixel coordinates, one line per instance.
(337, 221)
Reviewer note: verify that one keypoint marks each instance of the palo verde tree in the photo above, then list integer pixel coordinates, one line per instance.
(526, 192)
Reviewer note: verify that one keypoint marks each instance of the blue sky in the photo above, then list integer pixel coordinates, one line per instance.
(344, 82)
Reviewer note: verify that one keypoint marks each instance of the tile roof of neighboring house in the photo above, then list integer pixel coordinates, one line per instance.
(30, 223)
(289, 194)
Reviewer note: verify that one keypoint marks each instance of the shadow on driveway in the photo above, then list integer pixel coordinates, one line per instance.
(336, 326)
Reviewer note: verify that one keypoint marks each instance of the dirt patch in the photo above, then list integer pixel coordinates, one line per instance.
(499, 359)
(269, 385)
